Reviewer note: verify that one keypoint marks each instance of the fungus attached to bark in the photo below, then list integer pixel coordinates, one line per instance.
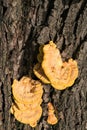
(38, 71)
(65, 76)
(27, 90)
(51, 58)
(40, 55)
(52, 119)
(27, 117)
(27, 95)
(24, 106)
(53, 70)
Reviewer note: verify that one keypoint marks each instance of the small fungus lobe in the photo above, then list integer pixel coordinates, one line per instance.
(27, 95)
(40, 55)
(52, 119)
(38, 71)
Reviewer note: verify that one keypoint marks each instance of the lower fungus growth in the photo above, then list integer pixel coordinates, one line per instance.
(28, 116)
(52, 119)
(53, 70)
(27, 94)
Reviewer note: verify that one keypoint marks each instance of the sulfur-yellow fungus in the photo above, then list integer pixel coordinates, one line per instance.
(38, 71)
(66, 77)
(27, 95)
(51, 58)
(52, 119)
(59, 74)
(28, 116)
(31, 106)
(26, 90)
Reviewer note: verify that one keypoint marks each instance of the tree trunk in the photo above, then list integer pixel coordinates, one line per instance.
(24, 26)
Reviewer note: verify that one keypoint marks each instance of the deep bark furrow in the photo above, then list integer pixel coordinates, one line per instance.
(81, 28)
(79, 14)
(70, 23)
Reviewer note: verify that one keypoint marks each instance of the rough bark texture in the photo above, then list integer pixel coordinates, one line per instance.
(24, 26)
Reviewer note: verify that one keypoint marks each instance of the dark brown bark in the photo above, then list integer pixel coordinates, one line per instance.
(26, 24)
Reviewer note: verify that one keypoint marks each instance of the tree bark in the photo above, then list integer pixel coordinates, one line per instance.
(24, 26)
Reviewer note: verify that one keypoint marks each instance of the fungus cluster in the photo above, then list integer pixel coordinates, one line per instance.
(52, 70)
(52, 119)
(27, 94)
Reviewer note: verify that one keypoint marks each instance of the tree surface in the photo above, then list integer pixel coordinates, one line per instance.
(24, 26)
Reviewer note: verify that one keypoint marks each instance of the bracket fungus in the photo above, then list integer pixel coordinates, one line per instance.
(40, 55)
(27, 95)
(52, 70)
(52, 119)
(38, 71)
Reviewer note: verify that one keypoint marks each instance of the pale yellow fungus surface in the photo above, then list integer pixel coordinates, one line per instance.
(52, 119)
(27, 95)
(52, 70)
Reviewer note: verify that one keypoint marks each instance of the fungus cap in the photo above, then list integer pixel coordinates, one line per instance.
(27, 90)
(67, 76)
(51, 58)
(61, 75)
(52, 70)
